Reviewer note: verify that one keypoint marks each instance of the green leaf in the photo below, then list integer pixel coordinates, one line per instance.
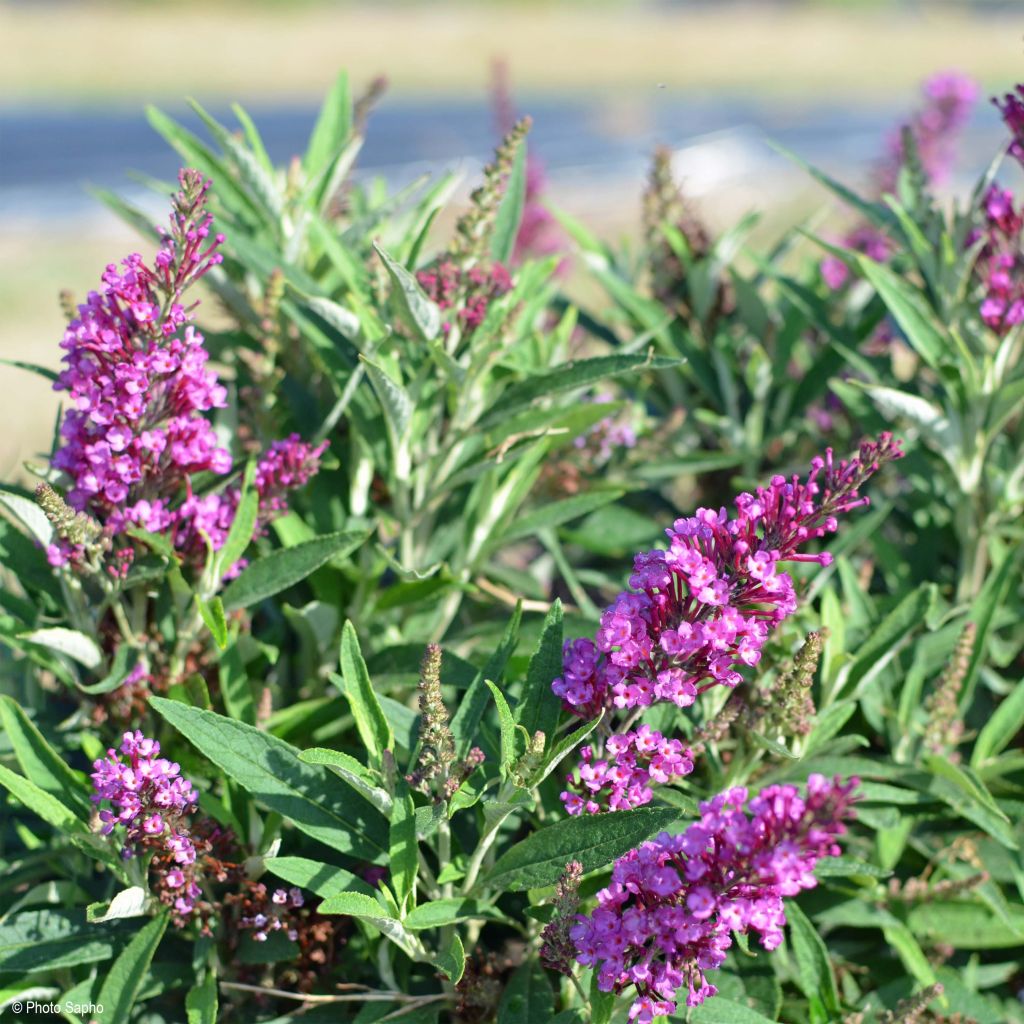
(70, 642)
(323, 879)
(212, 613)
(373, 727)
(527, 998)
(343, 320)
(53, 811)
(961, 790)
(271, 771)
(508, 728)
(439, 913)
(333, 127)
(128, 973)
(51, 939)
(41, 764)
(720, 1010)
(1002, 728)
(130, 902)
(403, 852)
(453, 959)
(235, 687)
(579, 373)
(466, 719)
(594, 840)
(554, 514)
(364, 780)
(412, 307)
(964, 925)
(909, 310)
(538, 706)
(395, 403)
(889, 635)
(287, 566)
(848, 867)
(243, 526)
(366, 908)
(815, 969)
(983, 612)
(201, 1001)
(914, 960)
(30, 515)
(510, 211)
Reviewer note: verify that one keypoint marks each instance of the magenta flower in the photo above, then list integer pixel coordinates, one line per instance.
(471, 291)
(703, 609)
(949, 98)
(667, 916)
(636, 759)
(136, 372)
(1011, 107)
(143, 794)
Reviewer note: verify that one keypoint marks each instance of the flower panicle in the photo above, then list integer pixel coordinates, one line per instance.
(136, 371)
(150, 799)
(667, 916)
(785, 705)
(474, 228)
(698, 611)
(439, 770)
(945, 727)
(558, 951)
(635, 761)
(82, 541)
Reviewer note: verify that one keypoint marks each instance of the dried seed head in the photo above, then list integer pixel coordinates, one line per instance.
(559, 951)
(944, 729)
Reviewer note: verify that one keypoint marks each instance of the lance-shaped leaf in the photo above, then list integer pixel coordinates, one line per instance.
(594, 840)
(366, 709)
(287, 566)
(271, 771)
(127, 975)
(411, 305)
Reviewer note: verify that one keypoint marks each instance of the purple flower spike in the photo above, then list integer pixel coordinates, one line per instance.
(703, 609)
(667, 916)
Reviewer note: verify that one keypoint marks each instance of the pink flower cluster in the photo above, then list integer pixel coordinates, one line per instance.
(666, 917)
(1000, 262)
(704, 607)
(264, 923)
(949, 98)
(1011, 107)
(635, 760)
(472, 291)
(149, 798)
(136, 372)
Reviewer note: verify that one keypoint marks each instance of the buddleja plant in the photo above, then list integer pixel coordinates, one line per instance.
(263, 758)
(443, 379)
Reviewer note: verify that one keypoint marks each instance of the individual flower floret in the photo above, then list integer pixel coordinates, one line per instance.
(667, 916)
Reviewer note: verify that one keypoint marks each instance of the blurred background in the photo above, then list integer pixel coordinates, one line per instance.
(605, 81)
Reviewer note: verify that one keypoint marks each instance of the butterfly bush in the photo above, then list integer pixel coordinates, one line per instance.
(705, 606)
(1000, 264)
(151, 801)
(137, 436)
(623, 781)
(699, 612)
(667, 916)
(949, 98)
